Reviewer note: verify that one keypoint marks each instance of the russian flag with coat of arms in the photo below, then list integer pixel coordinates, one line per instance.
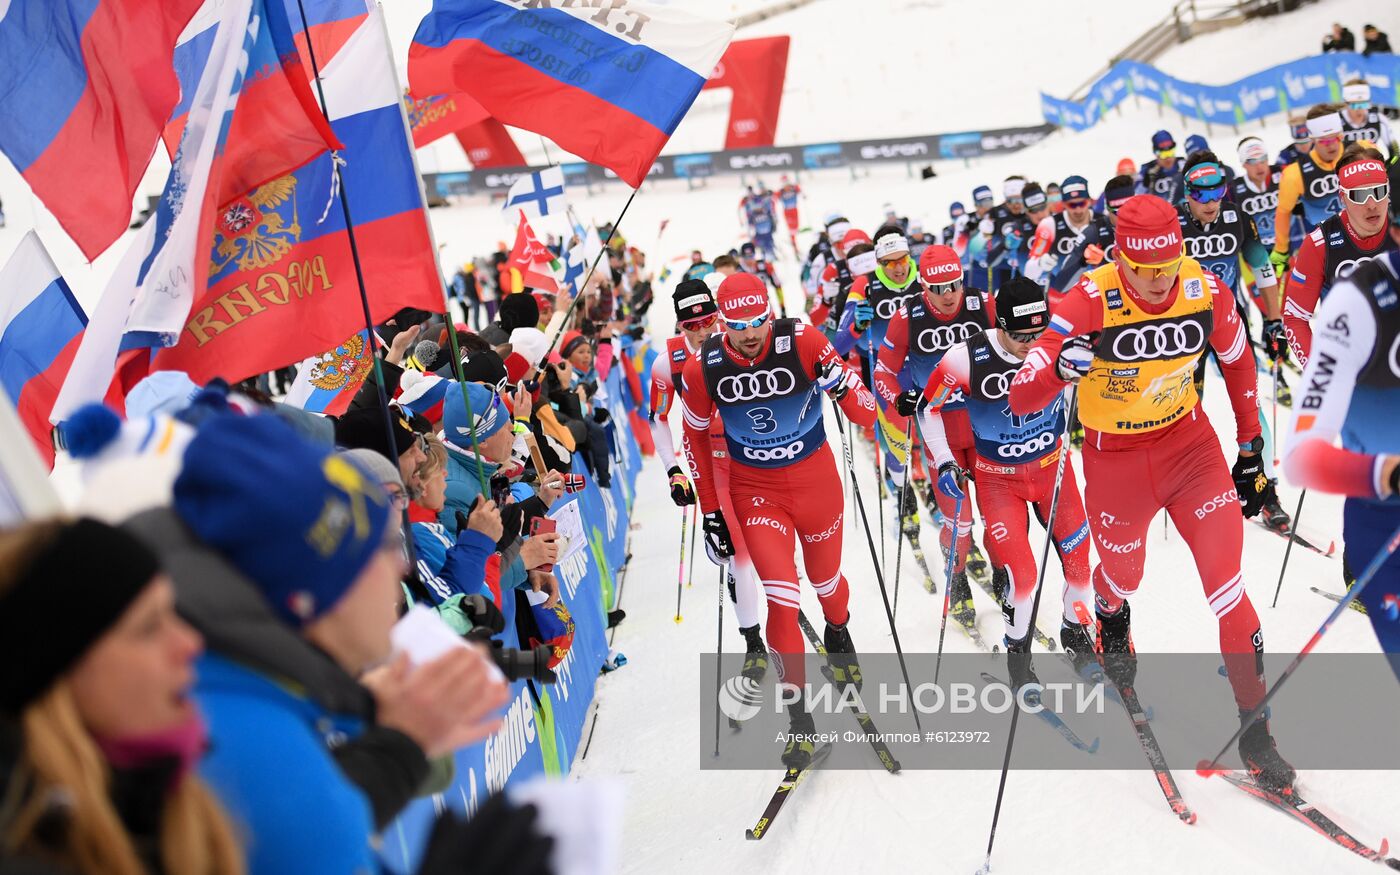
(609, 83)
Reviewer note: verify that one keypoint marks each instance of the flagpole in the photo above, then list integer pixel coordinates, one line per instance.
(432, 241)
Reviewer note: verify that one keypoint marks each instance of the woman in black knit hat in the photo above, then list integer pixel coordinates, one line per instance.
(98, 735)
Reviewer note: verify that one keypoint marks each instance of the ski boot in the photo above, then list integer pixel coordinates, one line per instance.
(960, 600)
(1115, 643)
(841, 654)
(1262, 760)
(1078, 646)
(797, 754)
(1018, 663)
(756, 657)
(1273, 516)
(909, 513)
(977, 564)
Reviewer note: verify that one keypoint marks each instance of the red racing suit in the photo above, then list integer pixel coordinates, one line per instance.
(664, 377)
(1149, 446)
(1328, 254)
(771, 412)
(981, 370)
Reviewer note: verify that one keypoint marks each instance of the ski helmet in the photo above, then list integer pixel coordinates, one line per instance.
(1021, 306)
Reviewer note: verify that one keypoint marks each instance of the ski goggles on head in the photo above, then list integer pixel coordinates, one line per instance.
(1264, 159)
(741, 324)
(1376, 193)
(1153, 271)
(1206, 195)
(1025, 336)
(699, 322)
(1329, 140)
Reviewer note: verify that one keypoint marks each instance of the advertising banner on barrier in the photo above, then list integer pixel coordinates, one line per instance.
(1279, 89)
(544, 723)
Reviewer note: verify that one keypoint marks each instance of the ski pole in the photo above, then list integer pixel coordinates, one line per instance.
(694, 526)
(719, 650)
(1206, 769)
(1277, 366)
(950, 559)
(1060, 469)
(899, 509)
(879, 433)
(874, 556)
(1288, 551)
(680, 569)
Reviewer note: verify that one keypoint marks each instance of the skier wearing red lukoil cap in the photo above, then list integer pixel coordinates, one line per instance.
(1130, 332)
(764, 379)
(942, 315)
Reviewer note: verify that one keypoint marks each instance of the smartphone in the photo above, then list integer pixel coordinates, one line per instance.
(538, 526)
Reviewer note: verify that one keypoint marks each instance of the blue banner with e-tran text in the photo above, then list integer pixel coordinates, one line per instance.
(1280, 89)
(543, 724)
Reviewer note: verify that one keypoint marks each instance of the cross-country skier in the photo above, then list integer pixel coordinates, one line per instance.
(1129, 333)
(1336, 246)
(787, 194)
(945, 312)
(1353, 394)
(1219, 236)
(976, 228)
(1162, 175)
(1197, 143)
(752, 261)
(956, 211)
(1362, 121)
(1014, 464)
(697, 320)
(1311, 181)
(852, 259)
(763, 379)
(1083, 238)
(1302, 140)
(1007, 231)
(1256, 190)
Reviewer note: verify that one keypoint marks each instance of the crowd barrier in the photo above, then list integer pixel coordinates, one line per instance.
(544, 723)
(790, 159)
(1281, 89)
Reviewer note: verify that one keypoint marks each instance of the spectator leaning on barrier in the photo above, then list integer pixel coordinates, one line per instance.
(287, 559)
(1376, 41)
(365, 428)
(1339, 40)
(98, 734)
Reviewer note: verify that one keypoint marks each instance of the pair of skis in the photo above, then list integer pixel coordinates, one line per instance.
(1291, 803)
(794, 777)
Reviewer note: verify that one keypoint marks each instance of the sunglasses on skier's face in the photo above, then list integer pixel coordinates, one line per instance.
(699, 323)
(1025, 336)
(1360, 196)
(743, 324)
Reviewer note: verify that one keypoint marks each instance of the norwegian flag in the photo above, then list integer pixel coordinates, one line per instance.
(537, 265)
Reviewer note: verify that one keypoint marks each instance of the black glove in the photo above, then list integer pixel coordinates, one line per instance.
(501, 838)
(600, 415)
(907, 403)
(483, 613)
(1275, 340)
(681, 491)
(462, 525)
(717, 535)
(1250, 483)
(1076, 356)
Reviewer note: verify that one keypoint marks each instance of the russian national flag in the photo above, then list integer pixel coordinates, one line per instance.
(40, 327)
(85, 88)
(442, 114)
(328, 382)
(281, 279)
(608, 82)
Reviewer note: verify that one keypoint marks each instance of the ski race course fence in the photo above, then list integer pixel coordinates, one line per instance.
(1280, 89)
(922, 149)
(544, 723)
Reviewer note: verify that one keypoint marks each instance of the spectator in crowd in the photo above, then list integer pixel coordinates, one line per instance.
(288, 563)
(572, 387)
(452, 567)
(1339, 40)
(478, 446)
(1376, 41)
(98, 734)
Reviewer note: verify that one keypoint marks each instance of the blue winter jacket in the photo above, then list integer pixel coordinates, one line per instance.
(270, 765)
(463, 487)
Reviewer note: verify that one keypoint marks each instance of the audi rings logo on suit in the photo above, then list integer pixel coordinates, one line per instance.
(753, 385)
(1158, 341)
(944, 336)
(1212, 245)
